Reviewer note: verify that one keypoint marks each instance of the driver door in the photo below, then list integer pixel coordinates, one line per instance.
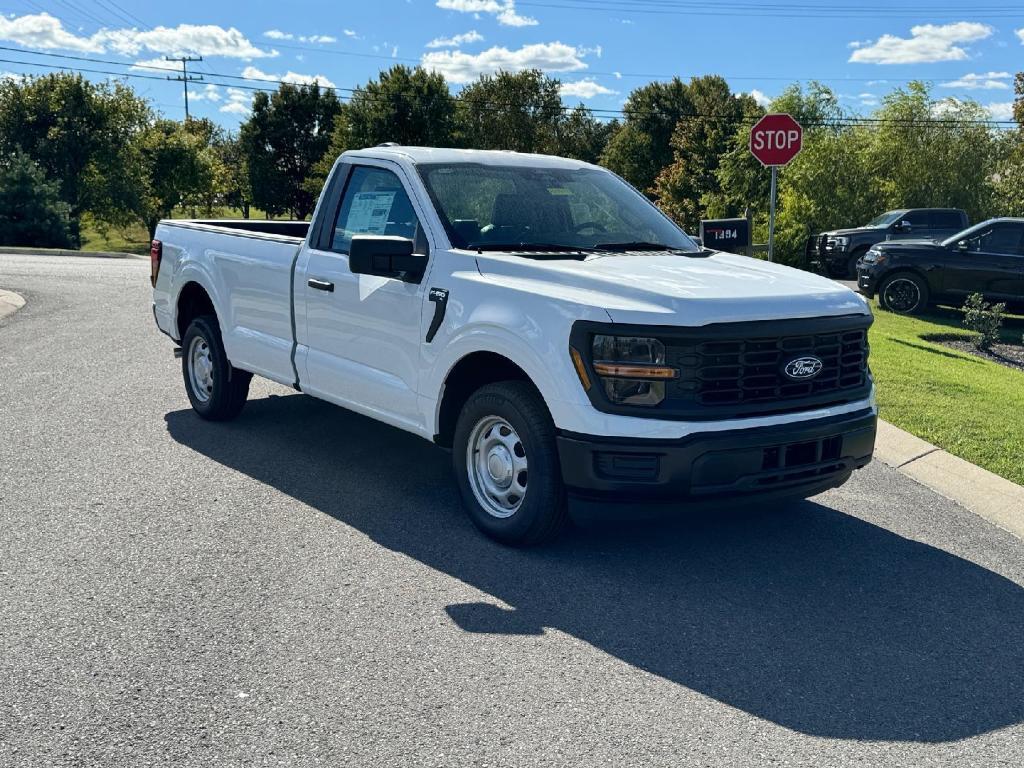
(363, 331)
(991, 264)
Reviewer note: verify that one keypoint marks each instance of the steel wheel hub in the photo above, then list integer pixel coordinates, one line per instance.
(497, 467)
(200, 369)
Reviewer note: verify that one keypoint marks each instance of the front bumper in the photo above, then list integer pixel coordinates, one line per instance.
(618, 478)
(867, 280)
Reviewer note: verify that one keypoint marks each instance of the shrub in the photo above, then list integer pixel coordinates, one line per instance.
(984, 319)
(31, 211)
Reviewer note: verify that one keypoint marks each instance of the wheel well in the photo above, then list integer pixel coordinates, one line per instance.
(466, 377)
(193, 301)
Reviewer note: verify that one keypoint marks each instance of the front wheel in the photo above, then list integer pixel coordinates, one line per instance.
(506, 465)
(903, 293)
(216, 389)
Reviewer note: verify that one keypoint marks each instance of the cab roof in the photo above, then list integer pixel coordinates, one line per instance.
(417, 155)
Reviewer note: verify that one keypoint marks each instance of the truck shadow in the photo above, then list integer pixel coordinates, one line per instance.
(809, 618)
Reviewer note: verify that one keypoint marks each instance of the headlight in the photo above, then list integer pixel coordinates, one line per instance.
(841, 242)
(632, 369)
(874, 257)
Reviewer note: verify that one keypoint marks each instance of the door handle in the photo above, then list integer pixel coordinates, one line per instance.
(320, 285)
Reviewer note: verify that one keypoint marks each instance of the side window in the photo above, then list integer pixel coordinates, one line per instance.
(917, 219)
(375, 203)
(946, 220)
(1004, 239)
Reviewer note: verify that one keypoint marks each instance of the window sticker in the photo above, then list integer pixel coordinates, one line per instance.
(369, 212)
(560, 191)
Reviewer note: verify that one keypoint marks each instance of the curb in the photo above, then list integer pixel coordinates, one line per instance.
(65, 252)
(10, 303)
(984, 493)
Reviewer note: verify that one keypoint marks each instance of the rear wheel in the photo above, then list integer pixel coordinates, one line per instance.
(903, 293)
(506, 465)
(216, 389)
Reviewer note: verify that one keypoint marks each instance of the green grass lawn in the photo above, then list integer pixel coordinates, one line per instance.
(972, 407)
(135, 239)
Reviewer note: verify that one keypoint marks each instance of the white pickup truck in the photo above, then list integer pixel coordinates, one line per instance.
(576, 350)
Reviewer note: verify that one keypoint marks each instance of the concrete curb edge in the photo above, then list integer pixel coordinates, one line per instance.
(984, 493)
(65, 252)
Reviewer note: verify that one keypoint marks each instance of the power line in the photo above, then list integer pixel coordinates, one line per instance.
(838, 122)
(776, 10)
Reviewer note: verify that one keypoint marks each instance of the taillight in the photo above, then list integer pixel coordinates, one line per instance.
(156, 252)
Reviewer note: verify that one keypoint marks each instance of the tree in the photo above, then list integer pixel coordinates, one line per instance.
(686, 187)
(519, 111)
(81, 134)
(406, 105)
(288, 133)
(177, 164)
(582, 136)
(233, 173)
(642, 148)
(1008, 182)
(31, 211)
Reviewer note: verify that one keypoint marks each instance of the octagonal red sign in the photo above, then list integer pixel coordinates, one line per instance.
(776, 139)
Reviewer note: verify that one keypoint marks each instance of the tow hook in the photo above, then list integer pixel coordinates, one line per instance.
(178, 352)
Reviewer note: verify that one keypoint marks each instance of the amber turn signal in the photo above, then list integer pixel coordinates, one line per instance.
(626, 371)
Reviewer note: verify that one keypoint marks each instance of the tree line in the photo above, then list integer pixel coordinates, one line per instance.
(71, 148)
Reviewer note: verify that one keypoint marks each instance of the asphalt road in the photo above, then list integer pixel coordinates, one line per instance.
(300, 588)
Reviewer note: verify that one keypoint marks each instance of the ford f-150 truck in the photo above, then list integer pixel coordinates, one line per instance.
(575, 350)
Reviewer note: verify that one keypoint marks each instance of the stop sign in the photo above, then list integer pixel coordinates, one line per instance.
(776, 139)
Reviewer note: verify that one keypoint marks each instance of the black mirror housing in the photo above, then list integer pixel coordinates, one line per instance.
(386, 256)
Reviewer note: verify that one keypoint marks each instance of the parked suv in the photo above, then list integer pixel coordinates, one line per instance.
(838, 252)
(987, 258)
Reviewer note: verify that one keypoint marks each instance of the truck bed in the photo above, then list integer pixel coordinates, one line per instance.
(285, 229)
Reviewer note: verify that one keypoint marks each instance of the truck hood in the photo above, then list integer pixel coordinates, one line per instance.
(670, 289)
(855, 231)
(918, 244)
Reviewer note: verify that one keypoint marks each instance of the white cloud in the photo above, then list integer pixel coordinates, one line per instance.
(288, 77)
(239, 102)
(456, 40)
(761, 98)
(927, 43)
(45, 31)
(503, 10)
(1020, 34)
(155, 64)
(210, 92)
(587, 88)
(277, 34)
(350, 33)
(459, 67)
(988, 81)
(1000, 110)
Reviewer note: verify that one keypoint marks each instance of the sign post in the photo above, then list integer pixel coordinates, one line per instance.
(774, 141)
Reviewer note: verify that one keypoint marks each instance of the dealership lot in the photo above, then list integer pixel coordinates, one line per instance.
(300, 586)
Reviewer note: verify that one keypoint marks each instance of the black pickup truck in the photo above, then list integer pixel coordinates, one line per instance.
(838, 252)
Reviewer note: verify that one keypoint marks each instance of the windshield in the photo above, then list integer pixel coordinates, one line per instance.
(504, 206)
(967, 234)
(885, 219)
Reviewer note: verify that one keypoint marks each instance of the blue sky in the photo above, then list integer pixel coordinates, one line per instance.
(600, 49)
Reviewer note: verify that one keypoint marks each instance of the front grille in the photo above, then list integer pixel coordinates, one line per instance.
(749, 371)
(730, 370)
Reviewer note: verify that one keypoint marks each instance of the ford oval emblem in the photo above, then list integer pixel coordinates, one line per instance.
(803, 368)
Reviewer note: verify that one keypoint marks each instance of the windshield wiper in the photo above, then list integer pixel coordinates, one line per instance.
(639, 245)
(530, 247)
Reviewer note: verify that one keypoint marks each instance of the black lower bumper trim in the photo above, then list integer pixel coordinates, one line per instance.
(782, 461)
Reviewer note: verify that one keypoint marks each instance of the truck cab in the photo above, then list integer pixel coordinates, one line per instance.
(542, 320)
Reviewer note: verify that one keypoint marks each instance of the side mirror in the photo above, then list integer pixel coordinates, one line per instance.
(904, 226)
(386, 256)
(963, 246)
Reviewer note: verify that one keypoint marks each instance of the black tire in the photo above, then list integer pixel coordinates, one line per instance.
(903, 293)
(225, 397)
(851, 265)
(541, 513)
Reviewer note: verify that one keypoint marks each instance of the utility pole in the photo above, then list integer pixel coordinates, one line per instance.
(185, 77)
